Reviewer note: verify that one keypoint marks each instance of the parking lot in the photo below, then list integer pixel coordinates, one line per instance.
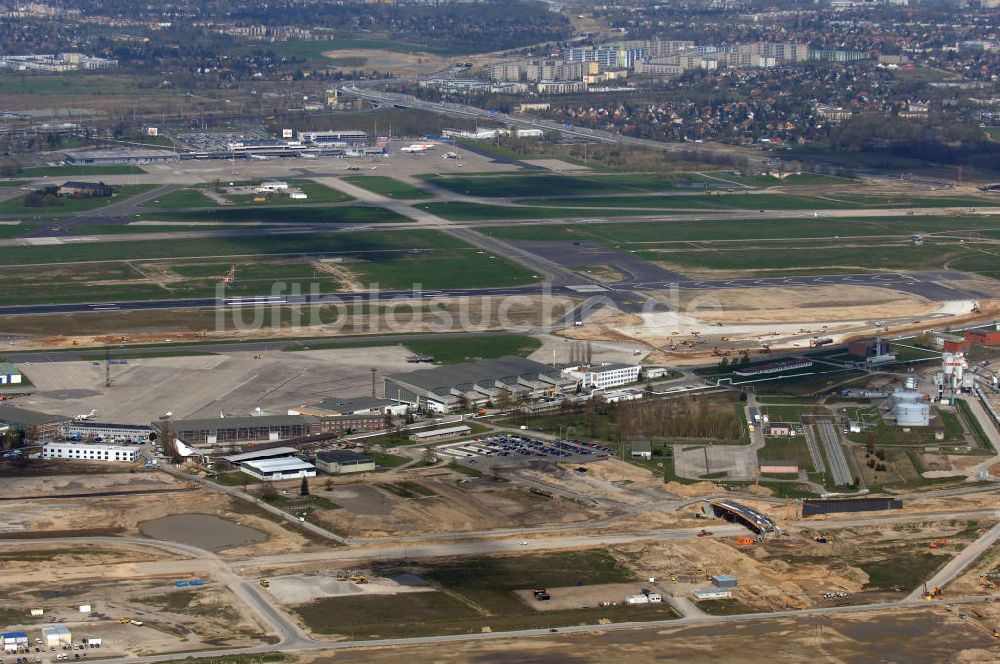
(511, 449)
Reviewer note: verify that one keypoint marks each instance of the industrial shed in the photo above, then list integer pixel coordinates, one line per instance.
(342, 462)
(278, 469)
(56, 635)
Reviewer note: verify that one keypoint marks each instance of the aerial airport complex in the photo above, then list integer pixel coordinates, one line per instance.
(334, 348)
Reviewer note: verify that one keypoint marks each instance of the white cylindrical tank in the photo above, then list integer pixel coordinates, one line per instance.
(912, 414)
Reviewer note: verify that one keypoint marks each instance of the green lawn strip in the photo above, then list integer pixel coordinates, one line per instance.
(829, 256)
(453, 351)
(359, 244)
(647, 234)
(464, 211)
(384, 460)
(524, 185)
(387, 186)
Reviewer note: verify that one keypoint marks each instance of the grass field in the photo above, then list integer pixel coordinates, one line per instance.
(517, 186)
(387, 186)
(722, 177)
(829, 256)
(743, 230)
(316, 192)
(902, 571)
(463, 211)
(787, 449)
(193, 267)
(346, 214)
(182, 198)
(478, 592)
(741, 201)
(453, 351)
(71, 205)
(81, 84)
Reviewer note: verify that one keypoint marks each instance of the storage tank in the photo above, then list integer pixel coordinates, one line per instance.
(911, 414)
(906, 396)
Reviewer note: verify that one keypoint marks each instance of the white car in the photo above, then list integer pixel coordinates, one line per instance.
(524, 543)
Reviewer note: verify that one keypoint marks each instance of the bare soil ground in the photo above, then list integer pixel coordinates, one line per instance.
(580, 597)
(920, 636)
(124, 513)
(399, 64)
(784, 318)
(174, 619)
(457, 506)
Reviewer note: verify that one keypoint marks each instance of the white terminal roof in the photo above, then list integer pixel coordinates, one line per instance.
(442, 432)
(278, 465)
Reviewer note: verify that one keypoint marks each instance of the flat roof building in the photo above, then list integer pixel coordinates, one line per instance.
(341, 137)
(472, 384)
(289, 468)
(120, 156)
(641, 450)
(341, 462)
(435, 434)
(9, 374)
(54, 636)
(603, 376)
(90, 452)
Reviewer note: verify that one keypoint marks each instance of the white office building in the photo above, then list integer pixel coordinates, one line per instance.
(89, 452)
(603, 376)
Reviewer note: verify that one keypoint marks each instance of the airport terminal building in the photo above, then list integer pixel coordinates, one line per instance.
(474, 384)
(228, 430)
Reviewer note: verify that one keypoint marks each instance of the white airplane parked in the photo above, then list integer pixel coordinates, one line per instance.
(418, 147)
(82, 418)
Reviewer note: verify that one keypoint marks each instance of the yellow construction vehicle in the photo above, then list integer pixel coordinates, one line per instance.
(358, 578)
(264, 583)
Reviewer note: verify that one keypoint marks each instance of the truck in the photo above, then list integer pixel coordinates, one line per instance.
(820, 341)
(637, 599)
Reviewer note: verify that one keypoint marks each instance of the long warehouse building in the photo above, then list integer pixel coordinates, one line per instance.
(472, 384)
